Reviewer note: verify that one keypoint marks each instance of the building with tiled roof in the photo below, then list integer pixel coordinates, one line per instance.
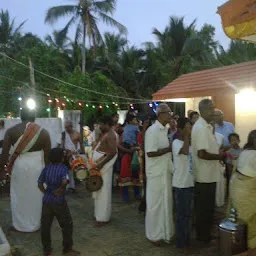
(231, 87)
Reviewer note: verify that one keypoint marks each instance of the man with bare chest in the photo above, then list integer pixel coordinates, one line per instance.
(71, 141)
(31, 146)
(104, 156)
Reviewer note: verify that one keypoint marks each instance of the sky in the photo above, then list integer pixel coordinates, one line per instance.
(139, 16)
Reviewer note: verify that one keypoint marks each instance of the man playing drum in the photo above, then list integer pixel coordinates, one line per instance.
(31, 148)
(72, 142)
(104, 157)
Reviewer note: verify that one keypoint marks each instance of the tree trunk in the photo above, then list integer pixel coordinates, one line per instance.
(84, 50)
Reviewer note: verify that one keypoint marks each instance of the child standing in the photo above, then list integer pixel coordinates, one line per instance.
(183, 183)
(55, 176)
(231, 156)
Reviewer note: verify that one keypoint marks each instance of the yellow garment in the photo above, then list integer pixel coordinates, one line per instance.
(242, 31)
(242, 193)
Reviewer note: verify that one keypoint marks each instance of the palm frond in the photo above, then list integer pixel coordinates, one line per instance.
(49, 40)
(19, 27)
(157, 33)
(54, 13)
(106, 6)
(92, 29)
(112, 22)
(62, 34)
(79, 31)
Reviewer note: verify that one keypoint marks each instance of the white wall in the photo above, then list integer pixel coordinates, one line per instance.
(70, 115)
(52, 125)
(192, 103)
(245, 110)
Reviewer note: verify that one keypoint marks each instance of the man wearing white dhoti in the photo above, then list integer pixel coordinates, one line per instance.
(104, 157)
(31, 148)
(72, 142)
(220, 185)
(159, 214)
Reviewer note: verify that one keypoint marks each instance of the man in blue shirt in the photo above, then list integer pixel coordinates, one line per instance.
(55, 177)
(222, 127)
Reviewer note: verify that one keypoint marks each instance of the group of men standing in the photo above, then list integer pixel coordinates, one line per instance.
(205, 156)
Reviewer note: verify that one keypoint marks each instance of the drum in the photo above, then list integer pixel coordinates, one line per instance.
(79, 168)
(94, 181)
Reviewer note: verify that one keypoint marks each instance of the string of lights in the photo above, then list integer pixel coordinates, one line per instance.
(62, 101)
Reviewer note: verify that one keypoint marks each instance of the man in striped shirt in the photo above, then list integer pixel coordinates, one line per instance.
(55, 177)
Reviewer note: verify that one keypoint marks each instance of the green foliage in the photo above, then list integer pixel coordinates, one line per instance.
(113, 67)
(86, 15)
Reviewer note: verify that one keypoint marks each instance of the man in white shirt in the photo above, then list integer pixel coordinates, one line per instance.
(206, 157)
(183, 182)
(159, 215)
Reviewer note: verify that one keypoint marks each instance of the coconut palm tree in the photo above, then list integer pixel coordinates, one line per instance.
(86, 14)
(183, 47)
(237, 52)
(58, 40)
(8, 31)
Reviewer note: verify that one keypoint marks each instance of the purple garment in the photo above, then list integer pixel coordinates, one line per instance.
(53, 176)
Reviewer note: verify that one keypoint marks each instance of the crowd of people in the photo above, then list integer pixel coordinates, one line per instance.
(176, 166)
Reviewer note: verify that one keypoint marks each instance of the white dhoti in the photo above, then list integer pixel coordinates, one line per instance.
(26, 198)
(103, 197)
(220, 188)
(159, 213)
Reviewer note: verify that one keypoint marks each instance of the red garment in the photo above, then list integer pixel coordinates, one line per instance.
(126, 170)
(140, 138)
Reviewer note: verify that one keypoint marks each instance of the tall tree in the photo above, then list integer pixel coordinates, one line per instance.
(183, 47)
(58, 40)
(86, 14)
(8, 31)
(237, 52)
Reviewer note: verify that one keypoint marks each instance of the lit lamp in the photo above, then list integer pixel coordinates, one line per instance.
(31, 104)
(239, 19)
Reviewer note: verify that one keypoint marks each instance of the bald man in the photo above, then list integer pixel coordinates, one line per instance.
(223, 127)
(159, 215)
(72, 142)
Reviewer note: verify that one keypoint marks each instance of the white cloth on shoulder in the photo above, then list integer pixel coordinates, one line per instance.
(69, 144)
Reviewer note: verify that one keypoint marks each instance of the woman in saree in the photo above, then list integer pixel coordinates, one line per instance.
(243, 188)
(129, 180)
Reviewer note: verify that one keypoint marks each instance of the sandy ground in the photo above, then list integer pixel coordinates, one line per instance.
(124, 236)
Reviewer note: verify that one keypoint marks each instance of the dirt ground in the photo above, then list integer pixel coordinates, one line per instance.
(124, 236)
